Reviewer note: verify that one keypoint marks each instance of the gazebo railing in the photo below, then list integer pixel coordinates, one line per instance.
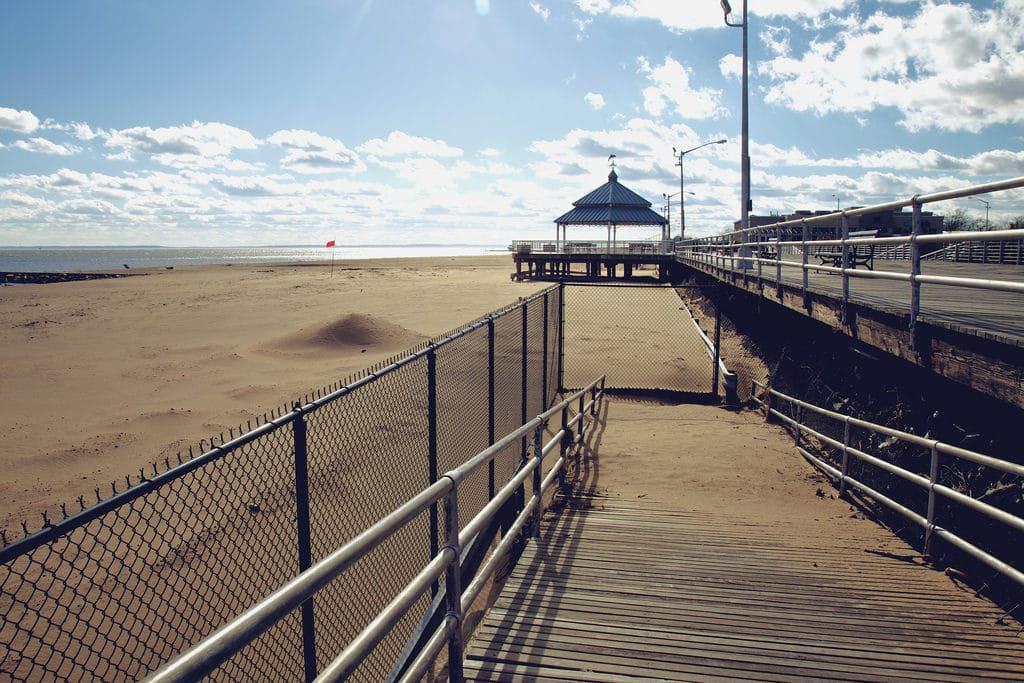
(619, 247)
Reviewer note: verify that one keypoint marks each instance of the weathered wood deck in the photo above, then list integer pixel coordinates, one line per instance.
(634, 591)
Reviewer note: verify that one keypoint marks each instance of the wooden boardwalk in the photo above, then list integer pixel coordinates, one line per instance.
(995, 315)
(628, 591)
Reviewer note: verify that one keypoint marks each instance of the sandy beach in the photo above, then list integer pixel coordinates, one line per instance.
(100, 378)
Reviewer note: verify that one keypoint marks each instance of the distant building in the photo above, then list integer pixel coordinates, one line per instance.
(887, 223)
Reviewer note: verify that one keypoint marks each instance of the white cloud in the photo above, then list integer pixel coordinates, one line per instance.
(996, 162)
(679, 15)
(731, 66)
(192, 141)
(399, 144)
(20, 121)
(490, 152)
(595, 100)
(671, 88)
(310, 152)
(44, 146)
(540, 9)
(947, 66)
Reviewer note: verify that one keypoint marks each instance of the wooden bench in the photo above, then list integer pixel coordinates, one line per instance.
(860, 254)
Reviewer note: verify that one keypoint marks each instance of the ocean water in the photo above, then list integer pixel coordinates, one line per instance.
(66, 259)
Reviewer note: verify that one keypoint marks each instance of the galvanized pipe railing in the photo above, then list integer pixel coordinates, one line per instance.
(719, 250)
(768, 400)
(205, 657)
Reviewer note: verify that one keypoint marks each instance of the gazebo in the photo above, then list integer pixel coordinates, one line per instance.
(613, 204)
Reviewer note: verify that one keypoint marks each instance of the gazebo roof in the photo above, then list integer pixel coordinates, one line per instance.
(612, 203)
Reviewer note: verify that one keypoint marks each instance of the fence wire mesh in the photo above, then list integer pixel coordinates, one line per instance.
(639, 336)
(124, 586)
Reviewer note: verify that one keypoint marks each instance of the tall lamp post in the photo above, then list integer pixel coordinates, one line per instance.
(744, 147)
(682, 193)
(987, 205)
(668, 214)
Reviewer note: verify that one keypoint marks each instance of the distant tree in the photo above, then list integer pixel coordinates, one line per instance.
(1015, 223)
(960, 220)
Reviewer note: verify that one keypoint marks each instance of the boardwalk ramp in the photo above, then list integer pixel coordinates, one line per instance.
(665, 565)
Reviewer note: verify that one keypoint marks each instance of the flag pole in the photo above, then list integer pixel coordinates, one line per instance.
(332, 257)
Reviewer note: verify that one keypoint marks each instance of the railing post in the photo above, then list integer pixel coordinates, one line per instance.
(538, 446)
(490, 403)
(846, 457)
(716, 361)
(432, 447)
(453, 584)
(800, 426)
(561, 336)
(845, 222)
(805, 237)
(778, 266)
(767, 401)
(581, 429)
(305, 548)
(915, 270)
(933, 479)
(758, 254)
(545, 399)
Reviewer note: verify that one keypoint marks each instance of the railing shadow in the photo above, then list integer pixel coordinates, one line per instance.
(541, 596)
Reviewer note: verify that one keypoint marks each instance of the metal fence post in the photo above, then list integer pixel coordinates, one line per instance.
(718, 352)
(799, 425)
(523, 412)
(538, 447)
(844, 221)
(933, 479)
(915, 270)
(767, 402)
(758, 254)
(805, 236)
(566, 443)
(432, 446)
(545, 399)
(846, 457)
(453, 584)
(561, 336)
(490, 403)
(305, 549)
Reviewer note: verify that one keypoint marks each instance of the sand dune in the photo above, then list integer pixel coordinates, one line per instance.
(352, 333)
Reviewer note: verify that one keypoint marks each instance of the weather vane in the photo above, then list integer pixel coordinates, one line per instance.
(610, 157)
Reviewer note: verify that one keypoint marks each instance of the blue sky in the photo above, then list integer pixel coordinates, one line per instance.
(470, 121)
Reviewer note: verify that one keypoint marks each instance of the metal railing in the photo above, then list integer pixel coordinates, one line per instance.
(749, 247)
(597, 247)
(931, 485)
(719, 373)
(230, 639)
(1005, 252)
(263, 503)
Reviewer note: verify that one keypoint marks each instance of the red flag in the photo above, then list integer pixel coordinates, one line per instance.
(331, 243)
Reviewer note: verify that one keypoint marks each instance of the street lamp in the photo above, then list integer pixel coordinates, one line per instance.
(668, 214)
(682, 194)
(987, 204)
(744, 147)
(837, 201)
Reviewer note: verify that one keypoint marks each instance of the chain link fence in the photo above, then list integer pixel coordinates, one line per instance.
(120, 587)
(640, 336)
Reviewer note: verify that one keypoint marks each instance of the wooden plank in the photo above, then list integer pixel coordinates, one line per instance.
(651, 593)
